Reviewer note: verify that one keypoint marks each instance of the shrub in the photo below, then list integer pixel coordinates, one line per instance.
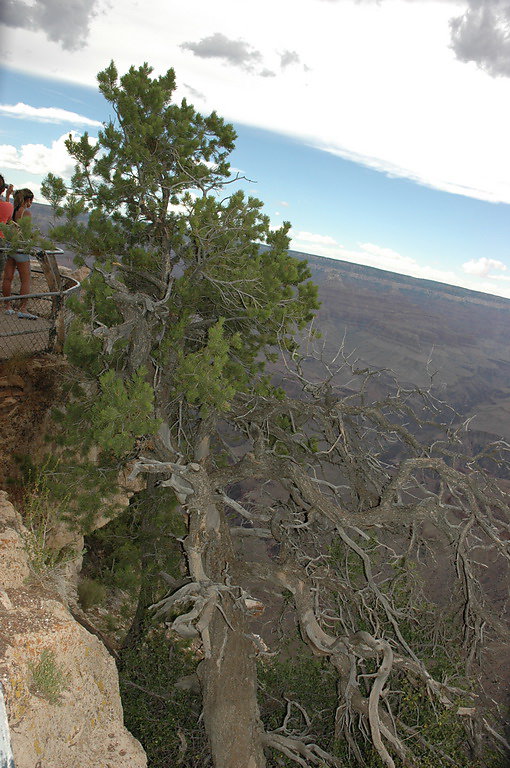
(48, 678)
(90, 593)
(41, 515)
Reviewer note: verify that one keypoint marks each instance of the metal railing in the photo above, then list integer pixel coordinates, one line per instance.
(24, 336)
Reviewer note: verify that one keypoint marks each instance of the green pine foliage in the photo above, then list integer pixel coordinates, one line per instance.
(111, 417)
(92, 436)
(96, 302)
(54, 190)
(209, 377)
(83, 350)
(122, 412)
(149, 202)
(75, 490)
(153, 187)
(115, 553)
(21, 236)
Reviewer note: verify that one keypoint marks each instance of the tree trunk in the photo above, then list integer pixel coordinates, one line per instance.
(229, 686)
(228, 672)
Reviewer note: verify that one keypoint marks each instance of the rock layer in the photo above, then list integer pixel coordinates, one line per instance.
(60, 683)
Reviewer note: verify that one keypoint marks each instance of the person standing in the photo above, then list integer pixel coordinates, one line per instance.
(23, 199)
(6, 207)
(6, 211)
(19, 261)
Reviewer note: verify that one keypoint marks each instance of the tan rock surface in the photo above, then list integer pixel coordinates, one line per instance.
(81, 724)
(13, 562)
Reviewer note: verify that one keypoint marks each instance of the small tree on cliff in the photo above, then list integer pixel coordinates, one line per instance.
(190, 290)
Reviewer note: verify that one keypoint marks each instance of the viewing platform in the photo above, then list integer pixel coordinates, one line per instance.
(50, 290)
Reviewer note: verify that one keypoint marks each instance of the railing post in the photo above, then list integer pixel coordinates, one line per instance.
(53, 278)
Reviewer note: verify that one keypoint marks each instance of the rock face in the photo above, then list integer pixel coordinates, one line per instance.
(60, 683)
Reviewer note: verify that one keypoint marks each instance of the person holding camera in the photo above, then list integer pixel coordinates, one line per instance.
(19, 261)
(6, 207)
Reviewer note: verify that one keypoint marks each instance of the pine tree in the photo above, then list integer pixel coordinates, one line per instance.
(191, 293)
(191, 289)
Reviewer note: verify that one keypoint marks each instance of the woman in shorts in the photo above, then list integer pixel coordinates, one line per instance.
(19, 261)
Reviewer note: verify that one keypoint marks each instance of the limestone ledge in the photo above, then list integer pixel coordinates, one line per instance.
(83, 726)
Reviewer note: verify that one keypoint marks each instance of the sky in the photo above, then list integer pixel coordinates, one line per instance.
(378, 129)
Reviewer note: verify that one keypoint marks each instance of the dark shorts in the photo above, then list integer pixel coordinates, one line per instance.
(19, 257)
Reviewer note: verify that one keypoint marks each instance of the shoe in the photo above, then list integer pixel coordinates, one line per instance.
(10, 312)
(27, 316)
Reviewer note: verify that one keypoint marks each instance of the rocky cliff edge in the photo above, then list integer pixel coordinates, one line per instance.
(60, 683)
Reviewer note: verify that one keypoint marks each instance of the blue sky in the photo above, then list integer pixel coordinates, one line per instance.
(374, 128)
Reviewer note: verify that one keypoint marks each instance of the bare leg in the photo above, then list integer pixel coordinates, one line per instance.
(24, 273)
(9, 269)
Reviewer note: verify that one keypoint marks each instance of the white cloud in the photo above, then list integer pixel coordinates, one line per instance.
(288, 58)
(238, 53)
(314, 239)
(481, 35)
(380, 257)
(482, 266)
(66, 23)
(385, 254)
(382, 86)
(386, 258)
(46, 114)
(39, 159)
